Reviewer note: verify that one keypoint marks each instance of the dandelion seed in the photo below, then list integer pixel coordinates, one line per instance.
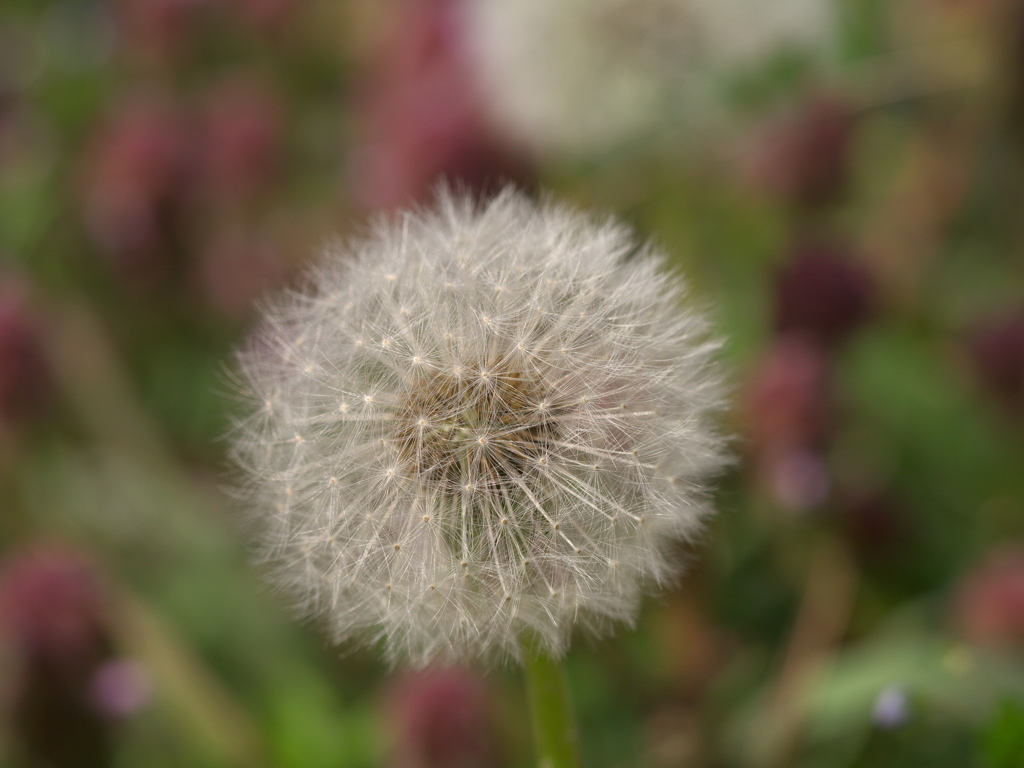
(495, 449)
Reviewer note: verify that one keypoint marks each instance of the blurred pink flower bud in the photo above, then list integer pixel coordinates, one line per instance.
(25, 376)
(138, 168)
(804, 158)
(787, 398)
(443, 718)
(242, 139)
(996, 348)
(422, 116)
(788, 412)
(798, 480)
(265, 15)
(9, 108)
(236, 268)
(157, 28)
(53, 622)
(51, 605)
(989, 604)
(822, 294)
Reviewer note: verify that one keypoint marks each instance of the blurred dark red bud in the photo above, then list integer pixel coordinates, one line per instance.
(822, 294)
(138, 169)
(996, 348)
(443, 719)
(241, 139)
(988, 607)
(423, 118)
(872, 520)
(804, 157)
(53, 623)
(25, 376)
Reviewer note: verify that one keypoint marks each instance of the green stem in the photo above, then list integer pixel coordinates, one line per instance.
(554, 723)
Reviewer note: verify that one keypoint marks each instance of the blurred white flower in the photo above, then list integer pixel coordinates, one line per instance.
(584, 75)
(479, 422)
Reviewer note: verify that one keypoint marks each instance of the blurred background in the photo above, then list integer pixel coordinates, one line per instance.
(842, 183)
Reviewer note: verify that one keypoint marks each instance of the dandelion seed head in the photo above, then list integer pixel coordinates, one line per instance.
(587, 75)
(478, 511)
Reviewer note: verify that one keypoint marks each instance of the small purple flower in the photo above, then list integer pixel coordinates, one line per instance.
(120, 687)
(891, 708)
(800, 480)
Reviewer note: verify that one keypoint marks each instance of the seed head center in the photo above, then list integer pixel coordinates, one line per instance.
(455, 431)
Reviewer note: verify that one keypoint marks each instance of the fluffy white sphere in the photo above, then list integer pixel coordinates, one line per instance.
(479, 421)
(579, 76)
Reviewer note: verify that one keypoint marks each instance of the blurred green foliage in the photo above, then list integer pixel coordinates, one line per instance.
(773, 652)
